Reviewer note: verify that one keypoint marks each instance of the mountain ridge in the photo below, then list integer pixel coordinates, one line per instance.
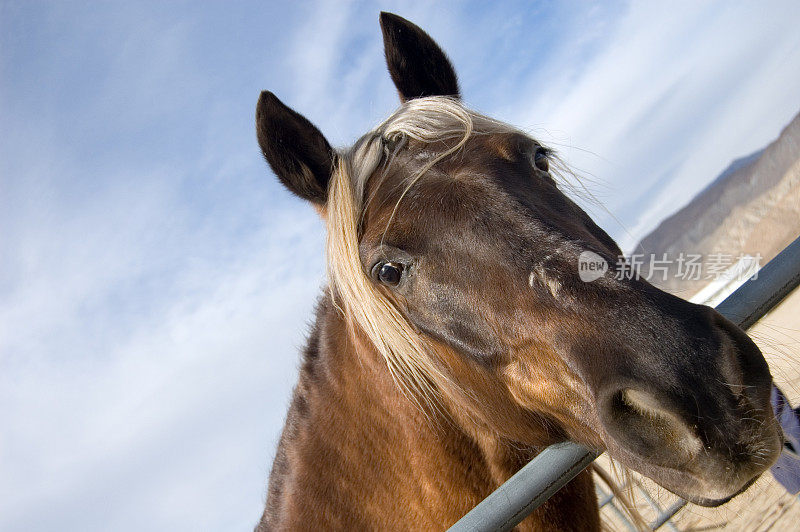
(751, 207)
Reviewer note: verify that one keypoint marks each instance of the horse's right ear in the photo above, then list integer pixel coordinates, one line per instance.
(416, 63)
(294, 148)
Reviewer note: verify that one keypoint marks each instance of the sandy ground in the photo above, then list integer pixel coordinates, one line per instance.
(766, 505)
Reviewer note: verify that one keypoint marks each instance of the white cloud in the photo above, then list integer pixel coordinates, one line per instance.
(673, 93)
(151, 308)
(97, 418)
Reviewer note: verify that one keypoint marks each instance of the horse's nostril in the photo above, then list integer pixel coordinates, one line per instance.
(645, 404)
(641, 421)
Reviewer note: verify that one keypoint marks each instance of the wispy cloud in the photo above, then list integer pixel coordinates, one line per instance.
(154, 289)
(669, 96)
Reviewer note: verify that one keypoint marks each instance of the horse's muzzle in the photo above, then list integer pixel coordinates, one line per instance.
(708, 437)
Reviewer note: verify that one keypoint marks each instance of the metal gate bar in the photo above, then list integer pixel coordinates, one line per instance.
(607, 499)
(558, 464)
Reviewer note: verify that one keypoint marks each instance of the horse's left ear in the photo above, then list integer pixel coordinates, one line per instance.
(295, 149)
(416, 63)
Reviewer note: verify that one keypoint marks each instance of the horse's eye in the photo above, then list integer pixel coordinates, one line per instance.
(389, 273)
(540, 159)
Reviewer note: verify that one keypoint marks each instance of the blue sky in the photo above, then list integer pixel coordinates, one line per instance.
(156, 281)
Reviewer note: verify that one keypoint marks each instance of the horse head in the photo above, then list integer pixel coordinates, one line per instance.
(454, 249)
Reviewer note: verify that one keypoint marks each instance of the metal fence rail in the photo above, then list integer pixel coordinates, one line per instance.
(558, 464)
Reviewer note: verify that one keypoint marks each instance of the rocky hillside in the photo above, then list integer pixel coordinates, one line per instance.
(752, 207)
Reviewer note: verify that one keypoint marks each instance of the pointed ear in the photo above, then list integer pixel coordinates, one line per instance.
(294, 148)
(416, 63)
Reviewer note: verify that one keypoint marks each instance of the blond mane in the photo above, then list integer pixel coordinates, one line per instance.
(426, 120)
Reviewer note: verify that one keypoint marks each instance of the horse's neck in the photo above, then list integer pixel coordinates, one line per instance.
(356, 453)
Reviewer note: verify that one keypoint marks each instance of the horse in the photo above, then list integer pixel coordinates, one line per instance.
(456, 338)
